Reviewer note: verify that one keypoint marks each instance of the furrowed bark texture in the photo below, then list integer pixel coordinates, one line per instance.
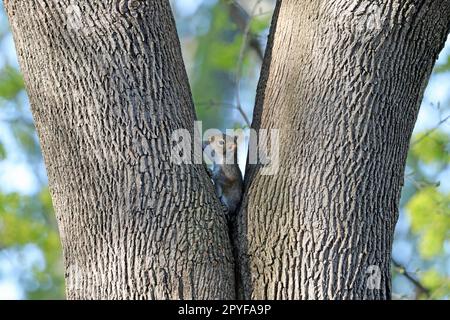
(107, 87)
(342, 81)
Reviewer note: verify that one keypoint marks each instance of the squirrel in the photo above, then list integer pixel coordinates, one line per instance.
(226, 175)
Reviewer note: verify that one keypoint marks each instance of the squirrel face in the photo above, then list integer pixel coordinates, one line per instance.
(222, 148)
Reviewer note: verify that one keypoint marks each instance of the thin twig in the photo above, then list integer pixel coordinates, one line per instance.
(240, 17)
(211, 103)
(421, 184)
(264, 13)
(429, 132)
(402, 270)
(241, 62)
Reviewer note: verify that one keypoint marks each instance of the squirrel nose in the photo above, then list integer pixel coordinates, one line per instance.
(205, 144)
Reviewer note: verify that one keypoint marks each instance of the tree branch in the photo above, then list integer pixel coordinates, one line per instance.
(402, 270)
(242, 19)
(429, 132)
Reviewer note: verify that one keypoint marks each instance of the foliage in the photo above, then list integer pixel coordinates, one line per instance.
(27, 222)
(430, 220)
(11, 82)
(427, 205)
(426, 200)
(216, 55)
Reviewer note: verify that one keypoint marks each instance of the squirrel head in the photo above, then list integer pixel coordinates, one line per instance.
(222, 148)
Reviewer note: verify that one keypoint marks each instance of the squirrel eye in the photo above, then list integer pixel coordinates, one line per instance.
(221, 142)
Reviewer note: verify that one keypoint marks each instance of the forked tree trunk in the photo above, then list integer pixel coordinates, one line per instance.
(342, 81)
(107, 86)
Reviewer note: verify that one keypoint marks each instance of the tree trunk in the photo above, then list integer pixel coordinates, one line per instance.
(342, 81)
(107, 87)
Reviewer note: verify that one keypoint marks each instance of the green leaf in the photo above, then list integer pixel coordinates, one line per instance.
(259, 24)
(2, 152)
(25, 136)
(213, 75)
(225, 56)
(429, 212)
(25, 220)
(437, 283)
(11, 82)
(432, 147)
(444, 67)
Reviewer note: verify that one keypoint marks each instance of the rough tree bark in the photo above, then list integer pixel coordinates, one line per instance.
(342, 81)
(107, 87)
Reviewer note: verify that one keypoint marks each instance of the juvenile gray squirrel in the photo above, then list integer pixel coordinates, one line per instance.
(226, 175)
